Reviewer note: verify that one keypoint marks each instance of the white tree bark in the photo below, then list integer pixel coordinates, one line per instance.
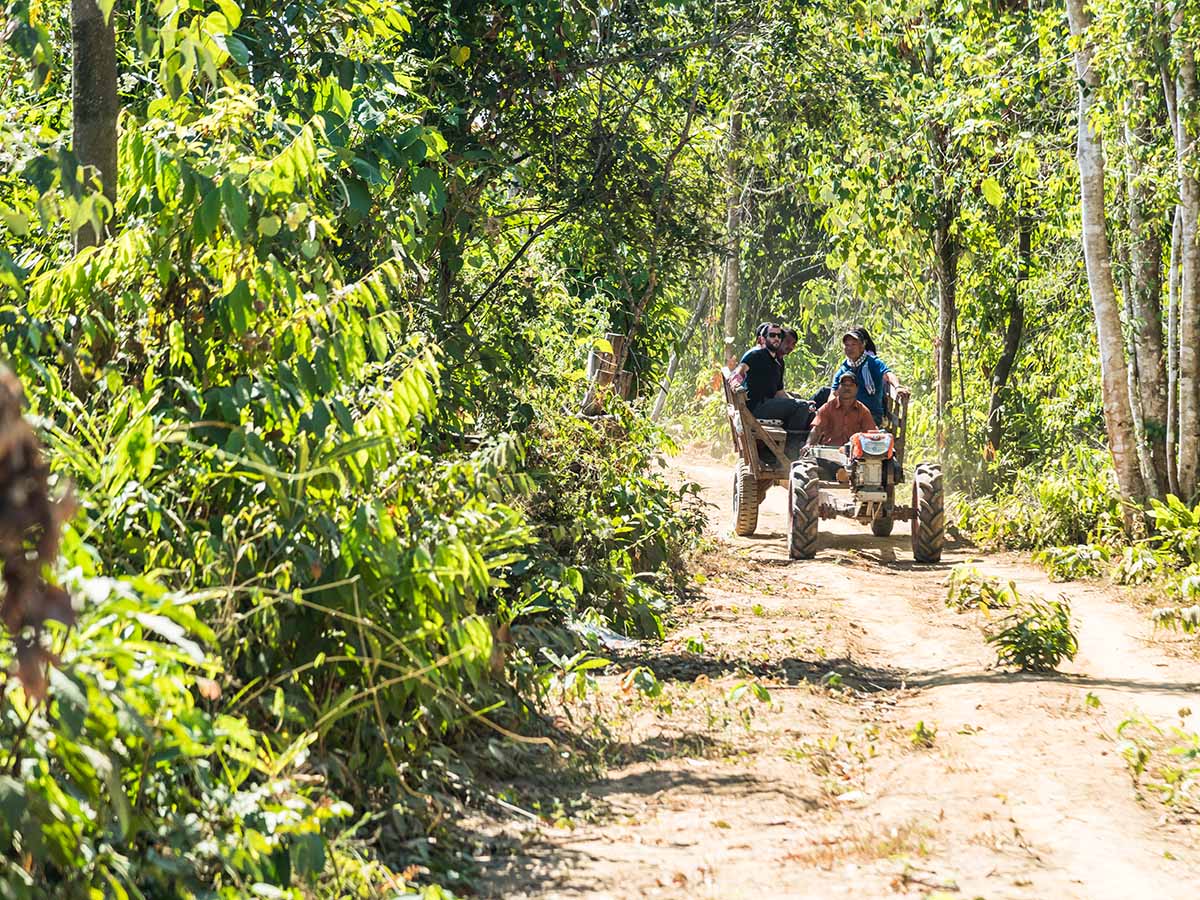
(1189, 274)
(1173, 284)
(1098, 258)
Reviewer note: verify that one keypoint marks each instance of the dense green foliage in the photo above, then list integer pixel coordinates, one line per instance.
(316, 392)
(313, 396)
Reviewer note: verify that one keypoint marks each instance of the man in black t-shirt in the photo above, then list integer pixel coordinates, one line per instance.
(762, 368)
(763, 376)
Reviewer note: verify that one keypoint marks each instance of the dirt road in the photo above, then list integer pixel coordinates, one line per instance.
(831, 728)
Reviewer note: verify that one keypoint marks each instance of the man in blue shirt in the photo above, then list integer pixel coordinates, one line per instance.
(872, 372)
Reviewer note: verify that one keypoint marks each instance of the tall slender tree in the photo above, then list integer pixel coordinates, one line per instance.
(1145, 295)
(1187, 93)
(1098, 259)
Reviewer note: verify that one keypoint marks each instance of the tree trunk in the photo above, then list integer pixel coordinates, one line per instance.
(1097, 256)
(1173, 286)
(94, 104)
(946, 276)
(1012, 334)
(1145, 298)
(1189, 277)
(1173, 356)
(673, 363)
(733, 225)
(1133, 377)
(945, 244)
(446, 250)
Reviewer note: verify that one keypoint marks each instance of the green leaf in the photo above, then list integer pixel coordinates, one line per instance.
(138, 448)
(992, 192)
(429, 185)
(17, 222)
(268, 226)
(240, 307)
(231, 11)
(308, 854)
(208, 216)
(236, 210)
(172, 632)
(238, 51)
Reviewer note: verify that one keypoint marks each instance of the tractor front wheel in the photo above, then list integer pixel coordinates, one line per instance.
(882, 526)
(745, 500)
(929, 517)
(804, 510)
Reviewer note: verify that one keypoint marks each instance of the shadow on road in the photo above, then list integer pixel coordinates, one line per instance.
(870, 679)
(792, 670)
(920, 681)
(549, 863)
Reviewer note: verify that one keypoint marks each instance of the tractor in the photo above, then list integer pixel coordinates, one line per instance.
(861, 480)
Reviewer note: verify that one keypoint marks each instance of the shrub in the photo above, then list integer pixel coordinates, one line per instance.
(1070, 563)
(971, 589)
(1071, 500)
(1185, 618)
(1035, 636)
(1164, 761)
(361, 582)
(130, 783)
(606, 520)
(1177, 528)
(1140, 564)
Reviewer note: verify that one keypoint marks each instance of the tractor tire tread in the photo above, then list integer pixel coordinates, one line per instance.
(804, 511)
(929, 519)
(745, 501)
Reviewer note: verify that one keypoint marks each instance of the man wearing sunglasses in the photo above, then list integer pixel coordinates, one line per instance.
(761, 370)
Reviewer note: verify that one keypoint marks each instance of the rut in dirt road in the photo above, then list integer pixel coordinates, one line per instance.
(892, 759)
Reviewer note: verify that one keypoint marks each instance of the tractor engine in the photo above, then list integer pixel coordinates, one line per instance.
(870, 460)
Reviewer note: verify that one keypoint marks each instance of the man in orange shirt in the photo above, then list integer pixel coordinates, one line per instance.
(842, 416)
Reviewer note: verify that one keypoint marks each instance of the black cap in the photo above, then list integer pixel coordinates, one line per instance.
(860, 334)
(846, 375)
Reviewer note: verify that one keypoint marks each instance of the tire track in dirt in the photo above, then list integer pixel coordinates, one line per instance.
(1022, 793)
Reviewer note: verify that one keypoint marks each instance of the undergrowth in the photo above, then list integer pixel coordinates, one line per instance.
(971, 589)
(1072, 516)
(1035, 636)
(1070, 500)
(1029, 633)
(1072, 563)
(1163, 762)
(363, 527)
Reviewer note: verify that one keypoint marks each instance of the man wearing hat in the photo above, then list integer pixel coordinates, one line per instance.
(842, 416)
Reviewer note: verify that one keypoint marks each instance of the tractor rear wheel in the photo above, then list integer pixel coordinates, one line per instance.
(882, 526)
(745, 500)
(804, 510)
(929, 517)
